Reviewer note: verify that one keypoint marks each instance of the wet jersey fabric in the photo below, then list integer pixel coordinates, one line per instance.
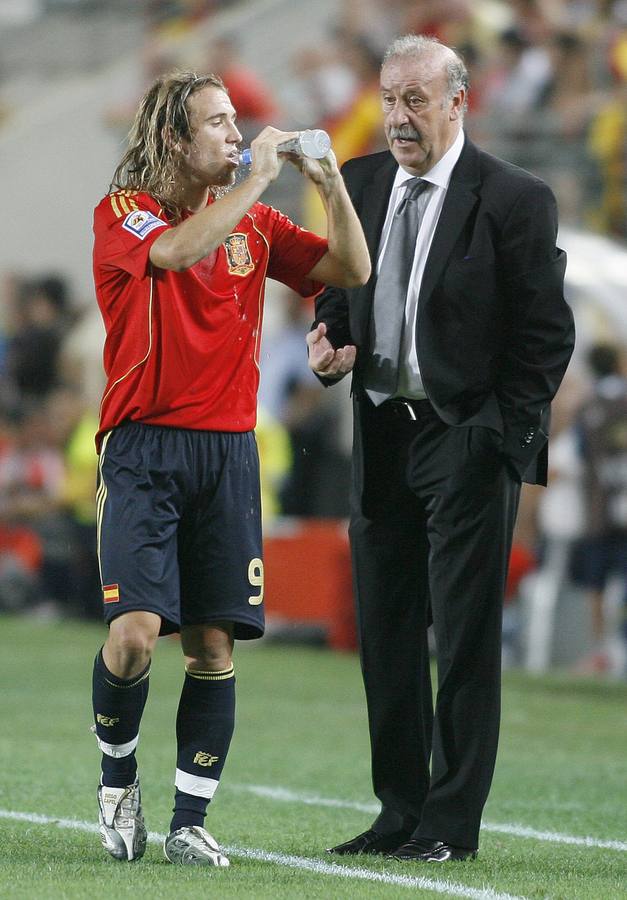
(182, 348)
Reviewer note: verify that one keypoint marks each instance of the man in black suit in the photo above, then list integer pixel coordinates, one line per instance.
(456, 352)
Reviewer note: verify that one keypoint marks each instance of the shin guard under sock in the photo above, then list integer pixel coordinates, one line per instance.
(118, 706)
(204, 727)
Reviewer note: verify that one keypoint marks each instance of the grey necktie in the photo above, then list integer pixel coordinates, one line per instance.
(390, 294)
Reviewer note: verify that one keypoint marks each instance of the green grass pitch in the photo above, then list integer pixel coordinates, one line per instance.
(297, 780)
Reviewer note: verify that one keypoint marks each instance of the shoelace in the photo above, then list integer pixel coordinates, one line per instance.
(196, 839)
(128, 808)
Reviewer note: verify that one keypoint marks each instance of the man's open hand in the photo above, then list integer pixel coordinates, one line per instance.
(324, 360)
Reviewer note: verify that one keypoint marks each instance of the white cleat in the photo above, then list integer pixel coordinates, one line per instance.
(193, 846)
(122, 830)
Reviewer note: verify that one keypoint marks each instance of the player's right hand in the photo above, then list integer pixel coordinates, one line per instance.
(324, 360)
(265, 159)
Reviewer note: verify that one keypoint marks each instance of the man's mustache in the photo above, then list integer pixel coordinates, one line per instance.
(405, 133)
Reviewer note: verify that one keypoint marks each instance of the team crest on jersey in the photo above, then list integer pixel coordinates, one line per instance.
(238, 254)
(141, 223)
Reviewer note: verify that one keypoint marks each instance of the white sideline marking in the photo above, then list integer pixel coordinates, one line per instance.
(553, 836)
(287, 796)
(436, 885)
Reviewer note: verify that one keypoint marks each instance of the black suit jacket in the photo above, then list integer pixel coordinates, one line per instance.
(494, 333)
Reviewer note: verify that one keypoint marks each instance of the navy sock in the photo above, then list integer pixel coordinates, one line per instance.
(204, 727)
(118, 706)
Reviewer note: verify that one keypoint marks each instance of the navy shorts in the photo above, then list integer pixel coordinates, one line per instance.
(179, 527)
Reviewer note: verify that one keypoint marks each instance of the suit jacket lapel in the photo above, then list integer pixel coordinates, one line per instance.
(376, 199)
(373, 207)
(461, 197)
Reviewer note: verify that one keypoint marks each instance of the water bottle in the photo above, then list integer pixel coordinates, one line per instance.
(314, 143)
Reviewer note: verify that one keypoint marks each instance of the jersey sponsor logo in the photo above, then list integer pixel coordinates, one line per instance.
(140, 223)
(238, 254)
(111, 593)
(205, 759)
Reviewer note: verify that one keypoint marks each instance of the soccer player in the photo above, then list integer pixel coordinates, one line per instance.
(180, 262)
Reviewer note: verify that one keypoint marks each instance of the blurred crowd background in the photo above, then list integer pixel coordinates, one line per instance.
(548, 92)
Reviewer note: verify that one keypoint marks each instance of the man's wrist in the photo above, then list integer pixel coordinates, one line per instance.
(258, 180)
(331, 184)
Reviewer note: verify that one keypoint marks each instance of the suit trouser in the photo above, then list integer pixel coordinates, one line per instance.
(434, 545)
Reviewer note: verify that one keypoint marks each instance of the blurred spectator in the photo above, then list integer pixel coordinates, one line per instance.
(157, 57)
(608, 133)
(355, 125)
(516, 79)
(80, 360)
(275, 460)
(9, 289)
(316, 484)
(602, 428)
(567, 94)
(327, 79)
(355, 128)
(73, 427)
(48, 468)
(31, 476)
(253, 101)
(42, 319)
(547, 93)
(448, 20)
(559, 515)
(607, 142)
(20, 548)
(371, 20)
(175, 16)
(568, 104)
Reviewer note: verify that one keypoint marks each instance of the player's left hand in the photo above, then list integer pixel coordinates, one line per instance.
(320, 171)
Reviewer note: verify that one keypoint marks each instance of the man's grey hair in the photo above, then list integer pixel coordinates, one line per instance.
(420, 44)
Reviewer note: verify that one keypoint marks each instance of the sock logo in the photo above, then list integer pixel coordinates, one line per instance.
(205, 759)
(107, 721)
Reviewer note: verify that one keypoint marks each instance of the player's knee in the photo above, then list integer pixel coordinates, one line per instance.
(130, 645)
(209, 662)
(208, 648)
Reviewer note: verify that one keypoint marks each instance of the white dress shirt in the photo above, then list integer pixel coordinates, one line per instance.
(409, 379)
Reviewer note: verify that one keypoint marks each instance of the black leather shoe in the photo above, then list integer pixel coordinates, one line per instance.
(371, 842)
(432, 851)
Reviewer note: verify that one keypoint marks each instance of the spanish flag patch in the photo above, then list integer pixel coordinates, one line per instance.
(111, 593)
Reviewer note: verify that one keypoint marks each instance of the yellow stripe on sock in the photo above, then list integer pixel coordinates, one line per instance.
(218, 675)
(133, 684)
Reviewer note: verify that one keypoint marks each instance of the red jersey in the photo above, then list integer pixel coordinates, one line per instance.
(182, 348)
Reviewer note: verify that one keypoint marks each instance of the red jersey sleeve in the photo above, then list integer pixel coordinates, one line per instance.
(293, 253)
(126, 224)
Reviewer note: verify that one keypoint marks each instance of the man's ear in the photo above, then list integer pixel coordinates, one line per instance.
(457, 105)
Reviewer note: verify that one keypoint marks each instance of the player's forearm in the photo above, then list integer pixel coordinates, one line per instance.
(181, 247)
(348, 250)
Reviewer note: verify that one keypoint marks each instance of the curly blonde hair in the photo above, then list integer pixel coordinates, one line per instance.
(150, 163)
